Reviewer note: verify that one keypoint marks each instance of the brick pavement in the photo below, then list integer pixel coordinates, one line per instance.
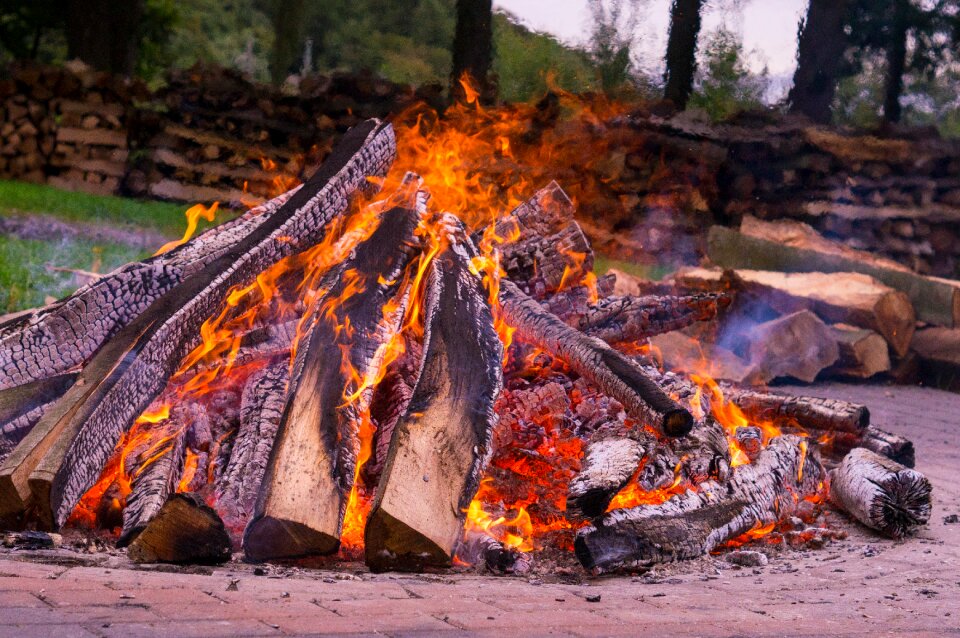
(864, 585)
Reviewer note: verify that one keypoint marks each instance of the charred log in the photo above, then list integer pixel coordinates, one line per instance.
(629, 319)
(808, 412)
(881, 493)
(691, 524)
(608, 465)
(304, 493)
(186, 530)
(23, 406)
(593, 359)
(440, 447)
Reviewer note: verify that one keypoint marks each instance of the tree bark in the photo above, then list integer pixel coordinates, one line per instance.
(896, 61)
(881, 493)
(288, 30)
(822, 43)
(682, 51)
(473, 49)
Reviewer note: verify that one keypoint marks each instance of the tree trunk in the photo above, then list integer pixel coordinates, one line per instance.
(473, 49)
(682, 51)
(819, 56)
(104, 34)
(896, 61)
(288, 28)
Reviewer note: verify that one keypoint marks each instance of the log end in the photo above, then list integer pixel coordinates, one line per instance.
(677, 423)
(12, 501)
(392, 545)
(268, 537)
(186, 530)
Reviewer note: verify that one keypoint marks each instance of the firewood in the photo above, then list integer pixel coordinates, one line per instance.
(171, 328)
(693, 523)
(798, 345)
(608, 464)
(186, 530)
(812, 413)
(303, 496)
(750, 441)
(838, 298)
(704, 453)
(880, 493)
(629, 319)
(261, 407)
(863, 353)
(893, 446)
(543, 240)
(939, 352)
(609, 370)
(439, 449)
(22, 407)
(935, 301)
(478, 548)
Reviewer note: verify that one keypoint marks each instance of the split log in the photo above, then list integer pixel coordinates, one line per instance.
(629, 319)
(693, 523)
(838, 298)
(186, 530)
(311, 470)
(880, 493)
(863, 353)
(54, 339)
(440, 447)
(893, 446)
(609, 370)
(121, 387)
(608, 465)
(261, 407)
(935, 301)
(704, 453)
(23, 406)
(939, 352)
(543, 241)
(798, 345)
(810, 413)
(477, 547)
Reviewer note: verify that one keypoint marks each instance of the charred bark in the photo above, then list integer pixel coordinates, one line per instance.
(608, 465)
(881, 493)
(812, 413)
(630, 319)
(693, 523)
(186, 530)
(440, 447)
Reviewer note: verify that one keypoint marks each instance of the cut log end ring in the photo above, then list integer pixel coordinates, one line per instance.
(268, 537)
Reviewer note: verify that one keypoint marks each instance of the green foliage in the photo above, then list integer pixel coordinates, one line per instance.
(26, 276)
(724, 84)
(611, 39)
(523, 60)
(20, 198)
(33, 29)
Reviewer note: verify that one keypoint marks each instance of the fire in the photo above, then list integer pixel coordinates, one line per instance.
(633, 495)
(193, 214)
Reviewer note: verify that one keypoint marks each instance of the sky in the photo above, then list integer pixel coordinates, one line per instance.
(768, 27)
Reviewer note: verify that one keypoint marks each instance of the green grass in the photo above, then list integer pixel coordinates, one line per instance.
(26, 277)
(655, 272)
(23, 198)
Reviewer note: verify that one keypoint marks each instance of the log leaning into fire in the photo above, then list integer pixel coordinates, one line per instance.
(439, 449)
(881, 493)
(693, 523)
(305, 488)
(611, 371)
(170, 328)
(23, 406)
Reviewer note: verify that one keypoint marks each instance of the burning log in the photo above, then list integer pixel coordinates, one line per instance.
(126, 374)
(693, 523)
(186, 530)
(261, 407)
(812, 413)
(750, 441)
(609, 370)
(608, 465)
(838, 298)
(23, 406)
(303, 497)
(880, 493)
(496, 557)
(439, 449)
(630, 319)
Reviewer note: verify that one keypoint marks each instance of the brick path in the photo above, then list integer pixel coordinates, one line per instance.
(864, 585)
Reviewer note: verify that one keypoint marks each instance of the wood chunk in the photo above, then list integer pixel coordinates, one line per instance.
(629, 319)
(750, 441)
(810, 413)
(303, 496)
(23, 406)
(881, 493)
(693, 523)
(611, 371)
(608, 464)
(186, 530)
(302, 221)
(939, 352)
(261, 407)
(797, 346)
(479, 548)
(440, 447)
(893, 446)
(838, 298)
(935, 301)
(863, 353)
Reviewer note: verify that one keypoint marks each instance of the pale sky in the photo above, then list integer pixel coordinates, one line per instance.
(768, 27)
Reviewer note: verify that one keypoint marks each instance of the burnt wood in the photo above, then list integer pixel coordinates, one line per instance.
(608, 464)
(186, 530)
(440, 447)
(23, 406)
(811, 413)
(627, 319)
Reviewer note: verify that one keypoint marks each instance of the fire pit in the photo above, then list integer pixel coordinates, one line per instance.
(344, 371)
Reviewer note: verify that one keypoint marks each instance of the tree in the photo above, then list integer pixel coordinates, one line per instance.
(23, 24)
(611, 40)
(473, 48)
(724, 84)
(822, 42)
(105, 34)
(682, 50)
(289, 25)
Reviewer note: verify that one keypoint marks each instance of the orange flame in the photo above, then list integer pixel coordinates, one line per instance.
(193, 214)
